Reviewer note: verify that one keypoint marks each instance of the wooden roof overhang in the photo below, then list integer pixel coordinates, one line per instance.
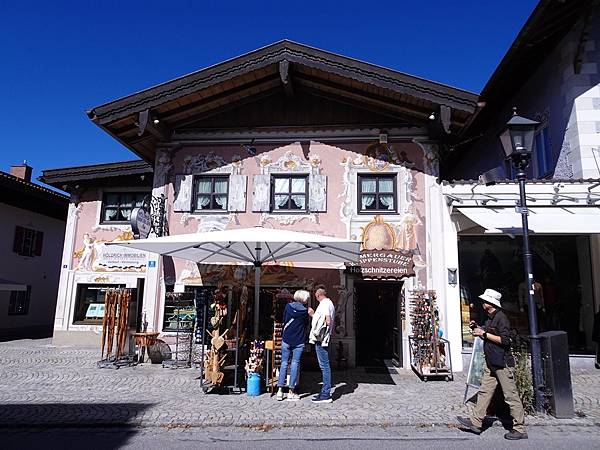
(140, 121)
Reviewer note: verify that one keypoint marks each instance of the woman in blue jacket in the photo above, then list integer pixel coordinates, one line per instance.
(295, 321)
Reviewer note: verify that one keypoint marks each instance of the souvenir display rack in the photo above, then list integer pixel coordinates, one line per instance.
(430, 353)
(201, 302)
(115, 324)
(183, 316)
(280, 300)
(222, 361)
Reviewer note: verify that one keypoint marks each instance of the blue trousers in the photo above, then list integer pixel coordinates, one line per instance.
(323, 357)
(296, 353)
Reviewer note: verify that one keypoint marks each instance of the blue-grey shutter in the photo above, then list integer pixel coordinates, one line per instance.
(238, 185)
(183, 193)
(261, 193)
(317, 193)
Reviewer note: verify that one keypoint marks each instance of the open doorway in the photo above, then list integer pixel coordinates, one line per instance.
(378, 332)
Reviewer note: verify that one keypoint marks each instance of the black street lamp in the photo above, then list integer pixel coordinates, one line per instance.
(517, 141)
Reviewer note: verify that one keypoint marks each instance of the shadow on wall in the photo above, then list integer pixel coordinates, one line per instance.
(36, 332)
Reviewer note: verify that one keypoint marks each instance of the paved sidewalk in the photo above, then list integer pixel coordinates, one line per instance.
(44, 384)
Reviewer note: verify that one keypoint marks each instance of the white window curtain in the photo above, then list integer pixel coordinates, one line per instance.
(221, 193)
(387, 201)
(281, 201)
(204, 186)
(298, 185)
(366, 201)
(282, 185)
(386, 185)
(368, 186)
(299, 201)
(202, 202)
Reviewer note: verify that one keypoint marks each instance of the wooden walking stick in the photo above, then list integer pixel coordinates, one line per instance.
(123, 314)
(104, 323)
(111, 324)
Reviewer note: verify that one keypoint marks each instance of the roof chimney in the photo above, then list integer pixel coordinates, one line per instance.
(22, 171)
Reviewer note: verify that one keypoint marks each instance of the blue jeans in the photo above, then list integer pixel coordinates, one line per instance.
(296, 353)
(323, 357)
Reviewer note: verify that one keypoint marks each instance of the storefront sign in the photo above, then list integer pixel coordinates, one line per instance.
(384, 264)
(141, 223)
(119, 259)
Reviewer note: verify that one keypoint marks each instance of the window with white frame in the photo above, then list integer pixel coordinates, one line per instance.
(117, 206)
(289, 193)
(377, 193)
(210, 192)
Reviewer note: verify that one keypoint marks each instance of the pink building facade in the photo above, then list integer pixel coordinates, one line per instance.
(286, 137)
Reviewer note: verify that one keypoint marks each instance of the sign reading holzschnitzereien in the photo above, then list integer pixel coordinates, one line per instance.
(384, 264)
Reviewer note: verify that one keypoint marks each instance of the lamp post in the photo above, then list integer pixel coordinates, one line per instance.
(517, 142)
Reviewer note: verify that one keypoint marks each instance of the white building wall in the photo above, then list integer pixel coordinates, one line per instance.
(40, 272)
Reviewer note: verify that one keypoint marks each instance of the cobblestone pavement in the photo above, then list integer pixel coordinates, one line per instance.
(43, 384)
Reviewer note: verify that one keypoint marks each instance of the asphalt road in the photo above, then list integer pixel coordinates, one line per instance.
(295, 438)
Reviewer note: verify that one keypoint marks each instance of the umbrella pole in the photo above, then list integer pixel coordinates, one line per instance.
(257, 270)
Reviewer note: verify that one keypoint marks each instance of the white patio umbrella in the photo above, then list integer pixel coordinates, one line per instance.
(253, 246)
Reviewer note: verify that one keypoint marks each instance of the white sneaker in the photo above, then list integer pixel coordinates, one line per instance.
(279, 396)
(293, 397)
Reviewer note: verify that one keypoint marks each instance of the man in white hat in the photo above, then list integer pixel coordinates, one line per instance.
(499, 369)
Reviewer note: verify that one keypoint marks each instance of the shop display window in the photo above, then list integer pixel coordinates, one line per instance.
(89, 304)
(182, 311)
(563, 285)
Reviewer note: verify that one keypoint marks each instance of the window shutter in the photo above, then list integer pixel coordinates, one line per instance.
(183, 193)
(39, 242)
(317, 193)
(237, 193)
(261, 193)
(18, 242)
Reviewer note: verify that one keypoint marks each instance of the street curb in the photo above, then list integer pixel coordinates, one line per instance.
(263, 426)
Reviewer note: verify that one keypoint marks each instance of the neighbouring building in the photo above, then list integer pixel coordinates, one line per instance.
(551, 74)
(32, 224)
(102, 197)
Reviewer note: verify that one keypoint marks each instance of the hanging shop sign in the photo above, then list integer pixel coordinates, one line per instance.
(392, 264)
(141, 223)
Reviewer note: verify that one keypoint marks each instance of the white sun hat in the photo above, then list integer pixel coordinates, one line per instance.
(492, 297)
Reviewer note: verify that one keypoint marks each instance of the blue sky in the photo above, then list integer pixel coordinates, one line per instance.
(63, 57)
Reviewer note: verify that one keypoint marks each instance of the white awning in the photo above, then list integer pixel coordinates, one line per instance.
(542, 220)
(6, 285)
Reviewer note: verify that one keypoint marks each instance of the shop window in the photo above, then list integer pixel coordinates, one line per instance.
(542, 153)
(289, 193)
(182, 310)
(28, 242)
(89, 304)
(117, 206)
(210, 193)
(18, 304)
(377, 193)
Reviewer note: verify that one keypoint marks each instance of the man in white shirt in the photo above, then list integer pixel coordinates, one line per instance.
(320, 334)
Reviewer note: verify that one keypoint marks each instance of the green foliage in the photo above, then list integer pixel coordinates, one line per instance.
(523, 378)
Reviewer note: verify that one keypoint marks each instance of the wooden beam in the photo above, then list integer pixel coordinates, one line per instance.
(364, 99)
(286, 80)
(147, 122)
(445, 118)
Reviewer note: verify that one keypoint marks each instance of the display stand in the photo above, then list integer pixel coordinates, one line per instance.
(184, 318)
(222, 361)
(430, 353)
(115, 324)
(280, 300)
